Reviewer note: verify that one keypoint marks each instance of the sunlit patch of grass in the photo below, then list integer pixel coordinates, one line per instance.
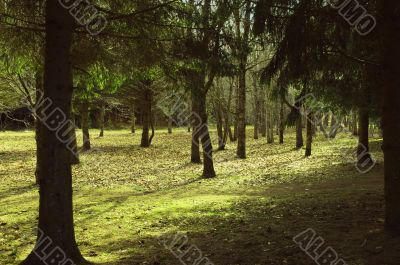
(127, 197)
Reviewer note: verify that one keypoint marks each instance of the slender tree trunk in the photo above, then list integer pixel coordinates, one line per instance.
(56, 223)
(101, 118)
(85, 125)
(309, 134)
(195, 149)
(241, 129)
(146, 116)
(281, 123)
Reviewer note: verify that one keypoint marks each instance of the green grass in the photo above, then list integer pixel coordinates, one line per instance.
(126, 198)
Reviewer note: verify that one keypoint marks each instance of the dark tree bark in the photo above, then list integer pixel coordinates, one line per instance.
(146, 117)
(241, 110)
(389, 21)
(281, 122)
(309, 133)
(299, 131)
(208, 168)
(54, 165)
(101, 118)
(242, 23)
(84, 109)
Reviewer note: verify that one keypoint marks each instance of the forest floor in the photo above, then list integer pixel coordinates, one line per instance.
(127, 199)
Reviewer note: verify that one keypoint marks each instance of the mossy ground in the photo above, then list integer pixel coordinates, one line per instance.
(126, 198)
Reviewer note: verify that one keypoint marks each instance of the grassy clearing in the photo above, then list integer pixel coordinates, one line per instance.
(126, 198)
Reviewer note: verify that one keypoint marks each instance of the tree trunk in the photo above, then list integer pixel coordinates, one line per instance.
(101, 118)
(56, 223)
(299, 131)
(208, 166)
(391, 118)
(241, 110)
(85, 125)
(195, 149)
(281, 122)
(309, 134)
(146, 116)
(270, 126)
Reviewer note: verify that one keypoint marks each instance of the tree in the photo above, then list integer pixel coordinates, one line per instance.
(389, 18)
(242, 23)
(54, 167)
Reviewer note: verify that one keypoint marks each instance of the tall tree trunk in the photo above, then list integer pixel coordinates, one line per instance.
(208, 166)
(85, 125)
(391, 118)
(195, 149)
(241, 110)
(309, 133)
(54, 165)
(146, 116)
(101, 118)
(281, 122)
